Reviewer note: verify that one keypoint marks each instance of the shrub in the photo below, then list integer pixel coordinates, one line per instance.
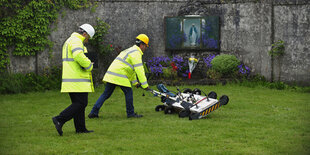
(11, 83)
(278, 85)
(23, 83)
(213, 74)
(259, 78)
(225, 64)
(169, 72)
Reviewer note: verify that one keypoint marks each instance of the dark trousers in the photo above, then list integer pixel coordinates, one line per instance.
(76, 111)
(109, 89)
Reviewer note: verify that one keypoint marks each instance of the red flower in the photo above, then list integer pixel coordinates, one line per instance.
(110, 45)
(174, 67)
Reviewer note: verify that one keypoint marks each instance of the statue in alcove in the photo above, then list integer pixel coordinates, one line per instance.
(193, 35)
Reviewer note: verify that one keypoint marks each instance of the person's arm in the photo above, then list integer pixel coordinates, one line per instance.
(78, 55)
(139, 69)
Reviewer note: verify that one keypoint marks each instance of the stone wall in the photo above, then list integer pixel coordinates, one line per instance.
(292, 24)
(248, 28)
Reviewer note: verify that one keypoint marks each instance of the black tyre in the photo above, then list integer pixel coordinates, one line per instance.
(197, 91)
(160, 108)
(213, 95)
(190, 117)
(187, 90)
(224, 100)
(193, 116)
(169, 110)
(184, 113)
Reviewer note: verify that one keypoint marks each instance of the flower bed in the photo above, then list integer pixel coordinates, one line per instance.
(174, 71)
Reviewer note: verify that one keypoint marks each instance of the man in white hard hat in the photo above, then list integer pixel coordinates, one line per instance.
(76, 79)
(123, 73)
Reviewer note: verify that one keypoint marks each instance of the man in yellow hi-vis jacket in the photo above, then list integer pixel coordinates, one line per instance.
(76, 79)
(123, 72)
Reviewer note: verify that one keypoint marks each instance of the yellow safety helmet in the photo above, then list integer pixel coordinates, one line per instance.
(144, 38)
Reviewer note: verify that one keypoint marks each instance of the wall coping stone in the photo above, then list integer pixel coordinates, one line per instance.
(275, 2)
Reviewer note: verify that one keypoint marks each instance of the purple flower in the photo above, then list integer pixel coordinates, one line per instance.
(208, 39)
(175, 39)
(210, 43)
(244, 70)
(207, 60)
(156, 65)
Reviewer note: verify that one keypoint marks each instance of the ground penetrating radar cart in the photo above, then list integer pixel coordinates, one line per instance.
(188, 103)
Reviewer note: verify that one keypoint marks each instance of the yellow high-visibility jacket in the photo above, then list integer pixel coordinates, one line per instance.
(126, 67)
(76, 67)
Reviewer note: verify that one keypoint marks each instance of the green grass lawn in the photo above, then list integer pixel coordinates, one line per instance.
(255, 121)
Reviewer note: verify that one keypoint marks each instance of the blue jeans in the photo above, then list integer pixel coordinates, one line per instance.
(109, 89)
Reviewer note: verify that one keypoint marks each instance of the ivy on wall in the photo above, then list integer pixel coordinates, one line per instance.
(277, 49)
(99, 41)
(25, 25)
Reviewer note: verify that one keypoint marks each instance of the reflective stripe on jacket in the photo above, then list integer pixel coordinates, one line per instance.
(76, 67)
(126, 67)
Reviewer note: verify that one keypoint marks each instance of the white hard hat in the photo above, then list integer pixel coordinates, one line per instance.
(89, 29)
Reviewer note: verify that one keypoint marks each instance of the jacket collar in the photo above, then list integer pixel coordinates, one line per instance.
(78, 36)
(137, 47)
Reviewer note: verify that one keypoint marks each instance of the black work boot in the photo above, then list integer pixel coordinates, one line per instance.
(135, 116)
(85, 131)
(58, 126)
(91, 115)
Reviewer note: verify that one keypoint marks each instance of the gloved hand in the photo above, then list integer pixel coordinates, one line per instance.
(138, 85)
(148, 89)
